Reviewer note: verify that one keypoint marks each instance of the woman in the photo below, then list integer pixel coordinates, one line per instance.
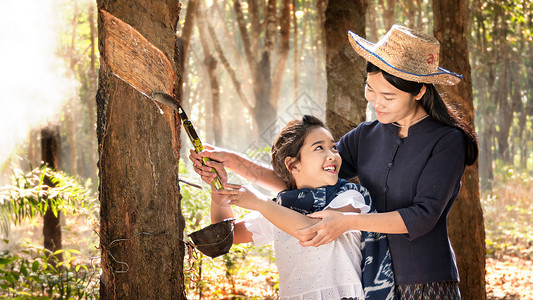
(411, 159)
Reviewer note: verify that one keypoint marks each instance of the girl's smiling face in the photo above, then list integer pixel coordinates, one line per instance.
(319, 162)
(390, 103)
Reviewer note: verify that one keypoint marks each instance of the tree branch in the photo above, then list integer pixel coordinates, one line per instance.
(244, 35)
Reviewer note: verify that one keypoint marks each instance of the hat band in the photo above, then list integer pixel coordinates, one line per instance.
(443, 71)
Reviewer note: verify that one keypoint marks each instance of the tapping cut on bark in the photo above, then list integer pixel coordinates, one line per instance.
(134, 59)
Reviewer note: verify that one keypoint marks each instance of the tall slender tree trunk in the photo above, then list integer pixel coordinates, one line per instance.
(34, 148)
(141, 226)
(388, 12)
(466, 228)
(264, 112)
(345, 104)
(183, 44)
(50, 145)
(210, 63)
(320, 41)
(505, 112)
(266, 67)
(371, 22)
(93, 81)
(282, 53)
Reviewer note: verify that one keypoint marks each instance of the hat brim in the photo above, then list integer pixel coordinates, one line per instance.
(368, 51)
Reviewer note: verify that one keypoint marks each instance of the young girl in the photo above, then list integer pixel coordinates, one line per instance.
(305, 157)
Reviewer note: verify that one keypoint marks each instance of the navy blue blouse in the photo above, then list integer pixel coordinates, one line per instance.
(419, 176)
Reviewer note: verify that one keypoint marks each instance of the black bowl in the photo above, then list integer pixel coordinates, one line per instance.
(215, 239)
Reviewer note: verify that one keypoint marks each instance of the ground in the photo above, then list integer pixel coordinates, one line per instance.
(509, 278)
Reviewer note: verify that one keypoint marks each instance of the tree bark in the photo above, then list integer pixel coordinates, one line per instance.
(141, 226)
(345, 69)
(93, 82)
(50, 144)
(466, 228)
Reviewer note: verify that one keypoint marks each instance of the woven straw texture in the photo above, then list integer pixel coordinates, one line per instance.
(407, 54)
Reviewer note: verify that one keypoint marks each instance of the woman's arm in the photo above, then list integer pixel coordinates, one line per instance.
(332, 224)
(437, 184)
(258, 174)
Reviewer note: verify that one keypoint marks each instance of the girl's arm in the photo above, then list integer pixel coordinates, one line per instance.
(221, 211)
(261, 175)
(332, 224)
(282, 217)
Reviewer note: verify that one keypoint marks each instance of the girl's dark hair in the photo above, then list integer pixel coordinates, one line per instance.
(434, 105)
(288, 144)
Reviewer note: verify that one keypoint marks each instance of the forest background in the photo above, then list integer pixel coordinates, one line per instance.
(50, 81)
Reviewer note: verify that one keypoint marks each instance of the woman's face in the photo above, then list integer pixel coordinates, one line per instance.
(319, 162)
(390, 103)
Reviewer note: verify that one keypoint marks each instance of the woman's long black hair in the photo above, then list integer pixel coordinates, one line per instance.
(436, 108)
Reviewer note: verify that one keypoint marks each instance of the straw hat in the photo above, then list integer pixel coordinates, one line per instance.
(406, 53)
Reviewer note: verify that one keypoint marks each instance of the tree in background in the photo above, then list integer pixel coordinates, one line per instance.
(466, 229)
(265, 46)
(77, 48)
(501, 39)
(50, 144)
(210, 65)
(141, 225)
(251, 42)
(346, 105)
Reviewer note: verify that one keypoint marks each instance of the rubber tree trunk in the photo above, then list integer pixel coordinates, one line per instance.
(50, 143)
(466, 228)
(141, 226)
(345, 69)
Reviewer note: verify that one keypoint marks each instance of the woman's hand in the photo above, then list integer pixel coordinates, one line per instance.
(242, 196)
(332, 225)
(219, 158)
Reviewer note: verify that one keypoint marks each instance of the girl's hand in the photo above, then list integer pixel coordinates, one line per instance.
(221, 199)
(219, 157)
(332, 225)
(242, 196)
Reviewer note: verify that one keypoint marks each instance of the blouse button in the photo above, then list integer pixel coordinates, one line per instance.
(385, 189)
(389, 165)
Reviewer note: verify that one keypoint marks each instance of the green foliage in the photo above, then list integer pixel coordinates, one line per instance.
(28, 196)
(508, 211)
(222, 274)
(37, 274)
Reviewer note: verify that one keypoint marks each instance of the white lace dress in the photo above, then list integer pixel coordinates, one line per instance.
(331, 271)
